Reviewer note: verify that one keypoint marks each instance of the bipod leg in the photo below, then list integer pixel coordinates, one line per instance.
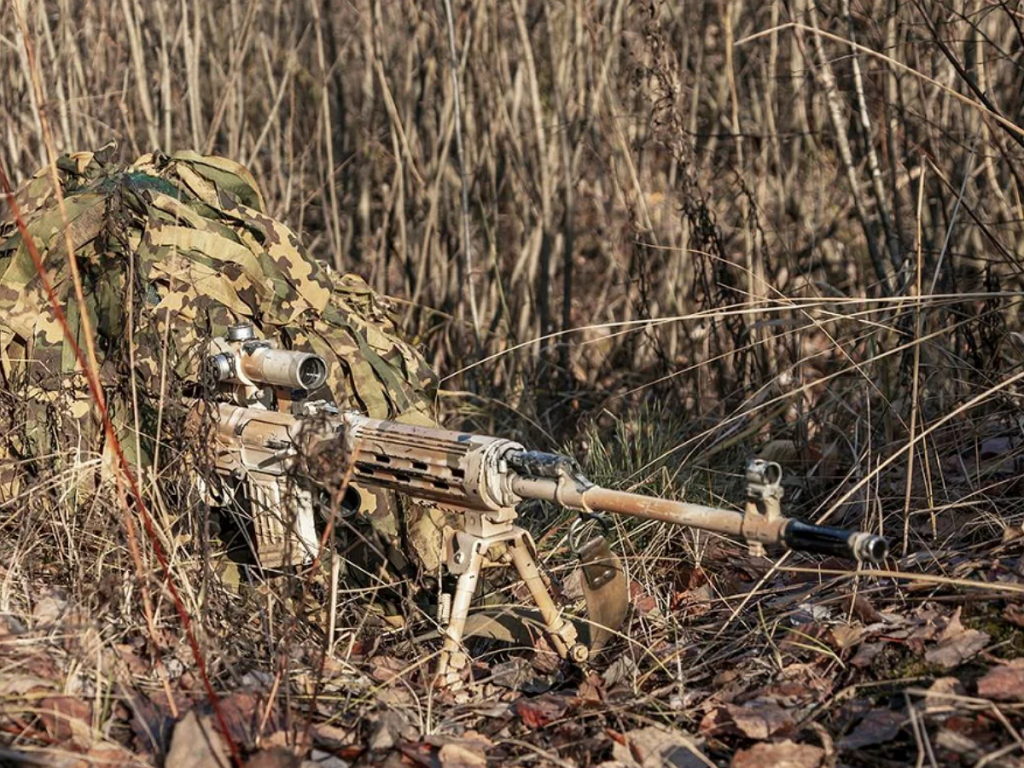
(561, 633)
(454, 658)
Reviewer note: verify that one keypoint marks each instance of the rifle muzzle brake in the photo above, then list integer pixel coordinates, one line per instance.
(826, 540)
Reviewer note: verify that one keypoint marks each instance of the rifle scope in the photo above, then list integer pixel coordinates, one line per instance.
(247, 360)
(284, 368)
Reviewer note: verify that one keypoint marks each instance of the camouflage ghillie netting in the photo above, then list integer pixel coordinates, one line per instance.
(173, 249)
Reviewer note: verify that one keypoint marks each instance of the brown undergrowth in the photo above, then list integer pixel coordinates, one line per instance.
(727, 658)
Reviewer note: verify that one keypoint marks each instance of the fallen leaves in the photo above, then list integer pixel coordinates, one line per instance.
(387, 669)
(940, 698)
(862, 608)
(956, 644)
(781, 754)
(67, 718)
(642, 602)
(250, 717)
(866, 655)
(388, 728)
(195, 743)
(1003, 683)
(275, 757)
(1014, 613)
(756, 719)
(967, 738)
(20, 684)
(808, 670)
(539, 711)
(658, 747)
(459, 756)
(592, 689)
(877, 727)
(48, 609)
(467, 752)
(441, 751)
(105, 755)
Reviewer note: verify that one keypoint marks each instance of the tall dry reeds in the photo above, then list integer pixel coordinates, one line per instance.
(796, 220)
(665, 233)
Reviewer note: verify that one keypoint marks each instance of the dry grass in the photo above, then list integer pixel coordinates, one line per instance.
(671, 232)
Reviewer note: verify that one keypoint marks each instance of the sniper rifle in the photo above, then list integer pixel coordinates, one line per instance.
(266, 426)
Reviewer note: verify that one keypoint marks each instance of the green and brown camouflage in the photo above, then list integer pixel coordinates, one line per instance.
(173, 249)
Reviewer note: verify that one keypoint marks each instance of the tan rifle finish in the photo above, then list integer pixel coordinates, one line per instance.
(470, 474)
(483, 478)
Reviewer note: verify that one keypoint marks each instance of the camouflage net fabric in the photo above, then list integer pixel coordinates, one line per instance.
(173, 249)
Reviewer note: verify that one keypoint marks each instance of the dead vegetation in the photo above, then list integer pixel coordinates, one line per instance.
(664, 234)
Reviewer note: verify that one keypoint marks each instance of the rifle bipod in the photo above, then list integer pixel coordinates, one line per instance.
(469, 554)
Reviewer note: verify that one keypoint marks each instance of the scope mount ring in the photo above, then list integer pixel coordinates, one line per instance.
(578, 525)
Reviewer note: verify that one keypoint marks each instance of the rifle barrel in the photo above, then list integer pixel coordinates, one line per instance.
(793, 534)
(598, 499)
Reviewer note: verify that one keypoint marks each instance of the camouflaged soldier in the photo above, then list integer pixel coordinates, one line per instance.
(172, 250)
